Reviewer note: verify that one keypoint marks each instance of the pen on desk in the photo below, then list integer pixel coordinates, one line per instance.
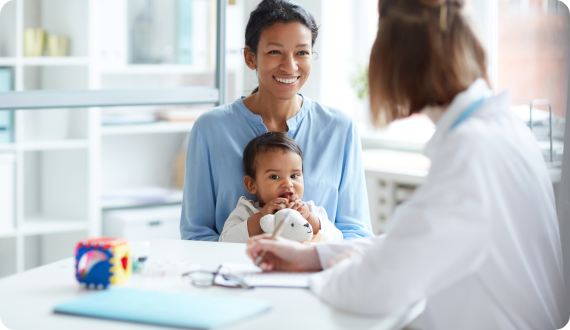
(273, 236)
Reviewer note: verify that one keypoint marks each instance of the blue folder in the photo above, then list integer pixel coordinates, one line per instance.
(182, 310)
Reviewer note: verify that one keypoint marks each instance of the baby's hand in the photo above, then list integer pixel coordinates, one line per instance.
(274, 205)
(303, 208)
(300, 206)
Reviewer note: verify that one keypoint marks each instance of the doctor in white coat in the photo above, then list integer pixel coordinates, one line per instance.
(479, 240)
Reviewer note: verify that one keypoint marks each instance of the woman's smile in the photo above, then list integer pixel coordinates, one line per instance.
(287, 80)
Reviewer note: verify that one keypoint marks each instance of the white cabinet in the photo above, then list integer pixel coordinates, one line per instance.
(391, 178)
(143, 224)
(59, 163)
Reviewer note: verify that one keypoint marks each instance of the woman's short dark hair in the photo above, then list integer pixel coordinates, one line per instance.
(425, 53)
(266, 142)
(269, 12)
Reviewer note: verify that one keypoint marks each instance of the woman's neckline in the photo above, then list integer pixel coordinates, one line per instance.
(275, 123)
(258, 108)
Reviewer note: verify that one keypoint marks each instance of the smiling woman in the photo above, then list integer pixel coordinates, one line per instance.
(282, 61)
(279, 42)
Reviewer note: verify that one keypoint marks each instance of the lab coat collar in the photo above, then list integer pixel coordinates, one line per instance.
(460, 103)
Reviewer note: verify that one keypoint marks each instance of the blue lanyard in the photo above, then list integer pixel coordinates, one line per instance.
(468, 112)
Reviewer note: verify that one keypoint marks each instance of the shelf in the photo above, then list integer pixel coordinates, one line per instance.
(391, 162)
(55, 61)
(8, 61)
(7, 147)
(374, 141)
(141, 198)
(7, 233)
(156, 69)
(48, 99)
(53, 145)
(138, 206)
(37, 226)
(45, 61)
(153, 128)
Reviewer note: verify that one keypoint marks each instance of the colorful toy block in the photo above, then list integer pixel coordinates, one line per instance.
(102, 261)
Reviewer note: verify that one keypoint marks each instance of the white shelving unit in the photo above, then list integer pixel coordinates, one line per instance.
(65, 160)
(154, 128)
(51, 148)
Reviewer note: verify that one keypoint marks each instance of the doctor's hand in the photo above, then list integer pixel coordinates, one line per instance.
(284, 255)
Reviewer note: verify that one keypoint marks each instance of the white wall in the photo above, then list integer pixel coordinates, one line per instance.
(348, 31)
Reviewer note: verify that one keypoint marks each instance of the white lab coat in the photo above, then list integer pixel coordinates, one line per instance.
(479, 239)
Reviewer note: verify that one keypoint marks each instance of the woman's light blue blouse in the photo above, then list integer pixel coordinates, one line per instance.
(332, 166)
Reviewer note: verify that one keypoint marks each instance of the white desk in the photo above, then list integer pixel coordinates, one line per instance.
(27, 299)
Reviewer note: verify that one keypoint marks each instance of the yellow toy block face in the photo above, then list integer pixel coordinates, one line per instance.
(120, 264)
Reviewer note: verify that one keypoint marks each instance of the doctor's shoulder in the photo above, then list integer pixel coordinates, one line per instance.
(481, 140)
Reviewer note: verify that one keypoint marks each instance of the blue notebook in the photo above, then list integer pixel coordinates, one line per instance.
(182, 310)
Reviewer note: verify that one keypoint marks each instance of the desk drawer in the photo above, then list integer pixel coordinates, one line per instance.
(143, 224)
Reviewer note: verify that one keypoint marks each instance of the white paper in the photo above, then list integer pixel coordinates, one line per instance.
(255, 277)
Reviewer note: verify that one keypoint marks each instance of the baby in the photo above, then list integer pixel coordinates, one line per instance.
(273, 166)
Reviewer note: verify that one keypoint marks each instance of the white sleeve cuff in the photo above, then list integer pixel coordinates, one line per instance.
(332, 253)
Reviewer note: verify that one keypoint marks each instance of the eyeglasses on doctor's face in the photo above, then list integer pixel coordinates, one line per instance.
(206, 279)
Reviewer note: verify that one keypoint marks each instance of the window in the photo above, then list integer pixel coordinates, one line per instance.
(533, 62)
(528, 48)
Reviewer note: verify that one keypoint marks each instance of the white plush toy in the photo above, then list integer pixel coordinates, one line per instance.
(295, 228)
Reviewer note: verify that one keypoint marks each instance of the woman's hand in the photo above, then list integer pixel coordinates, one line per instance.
(282, 254)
